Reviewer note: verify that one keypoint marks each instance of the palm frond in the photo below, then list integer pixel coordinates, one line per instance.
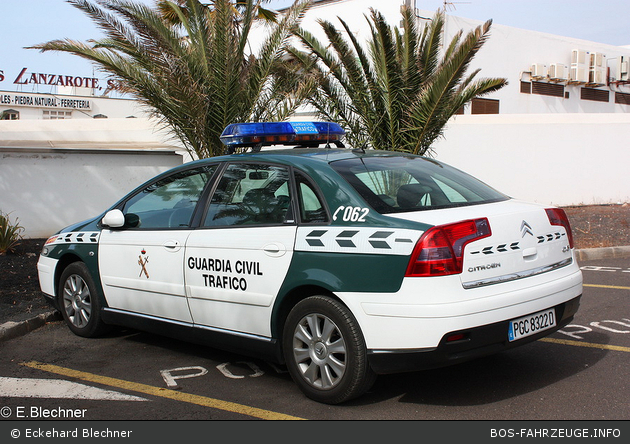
(190, 64)
(400, 93)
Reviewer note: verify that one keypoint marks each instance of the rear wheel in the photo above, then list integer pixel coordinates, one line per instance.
(79, 301)
(325, 351)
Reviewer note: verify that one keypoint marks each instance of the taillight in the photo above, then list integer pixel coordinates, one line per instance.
(440, 250)
(557, 216)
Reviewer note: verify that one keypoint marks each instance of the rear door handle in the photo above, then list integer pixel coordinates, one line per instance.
(274, 250)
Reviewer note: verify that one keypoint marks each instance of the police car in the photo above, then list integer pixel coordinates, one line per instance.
(342, 264)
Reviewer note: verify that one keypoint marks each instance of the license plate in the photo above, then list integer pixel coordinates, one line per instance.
(532, 324)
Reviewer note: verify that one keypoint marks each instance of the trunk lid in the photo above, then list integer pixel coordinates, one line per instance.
(523, 241)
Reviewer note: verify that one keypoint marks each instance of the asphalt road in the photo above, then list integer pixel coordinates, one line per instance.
(579, 373)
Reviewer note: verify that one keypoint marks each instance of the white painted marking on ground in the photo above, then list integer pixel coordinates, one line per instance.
(169, 378)
(58, 389)
(223, 368)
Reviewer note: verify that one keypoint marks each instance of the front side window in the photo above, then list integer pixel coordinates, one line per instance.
(250, 194)
(169, 202)
(399, 184)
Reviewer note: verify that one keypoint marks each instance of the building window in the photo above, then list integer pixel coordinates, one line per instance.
(548, 89)
(622, 98)
(484, 106)
(597, 95)
(10, 114)
(54, 115)
(526, 87)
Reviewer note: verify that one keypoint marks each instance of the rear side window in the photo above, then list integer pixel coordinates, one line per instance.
(400, 184)
(311, 207)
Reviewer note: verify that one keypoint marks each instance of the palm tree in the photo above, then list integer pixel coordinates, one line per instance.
(171, 15)
(398, 93)
(194, 69)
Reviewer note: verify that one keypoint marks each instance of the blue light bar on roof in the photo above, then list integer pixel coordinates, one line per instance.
(281, 133)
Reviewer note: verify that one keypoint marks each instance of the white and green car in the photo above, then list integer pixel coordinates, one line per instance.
(341, 264)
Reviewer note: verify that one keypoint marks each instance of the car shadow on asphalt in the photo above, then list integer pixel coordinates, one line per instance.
(490, 379)
(486, 380)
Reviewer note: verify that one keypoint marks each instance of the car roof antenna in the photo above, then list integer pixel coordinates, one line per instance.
(361, 149)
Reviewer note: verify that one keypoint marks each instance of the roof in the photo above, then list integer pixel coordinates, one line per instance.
(299, 155)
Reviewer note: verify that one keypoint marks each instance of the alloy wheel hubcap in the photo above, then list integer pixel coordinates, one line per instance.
(77, 301)
(319, 351)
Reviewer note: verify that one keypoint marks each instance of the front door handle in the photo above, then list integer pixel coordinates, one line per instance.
(172, 245)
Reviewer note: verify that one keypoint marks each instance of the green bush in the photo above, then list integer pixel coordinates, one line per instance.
(10, 234)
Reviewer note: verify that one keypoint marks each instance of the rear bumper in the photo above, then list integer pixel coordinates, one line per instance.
(477, 342)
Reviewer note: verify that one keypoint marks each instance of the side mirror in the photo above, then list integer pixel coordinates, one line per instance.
(114, 219)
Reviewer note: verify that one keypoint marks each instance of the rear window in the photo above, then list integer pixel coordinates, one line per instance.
(400, 184)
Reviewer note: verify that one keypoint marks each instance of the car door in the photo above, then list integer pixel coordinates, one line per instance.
(237, 261)
(142, 264)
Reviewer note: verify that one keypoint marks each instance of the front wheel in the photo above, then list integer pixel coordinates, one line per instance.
(79, 301)
(325, 351)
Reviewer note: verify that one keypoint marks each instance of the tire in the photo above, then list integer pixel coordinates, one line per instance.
(79, 301)
(325, 352)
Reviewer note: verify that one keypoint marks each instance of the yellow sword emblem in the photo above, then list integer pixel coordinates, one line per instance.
(143, 262)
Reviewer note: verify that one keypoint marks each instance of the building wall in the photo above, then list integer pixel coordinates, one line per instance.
(55, 173)
(558, 159)
(38, 106)
(553, 150)
(511, 52)
(562, 151)
(50, 189)
(144, 133)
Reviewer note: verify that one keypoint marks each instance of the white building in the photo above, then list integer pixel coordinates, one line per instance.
(18, 105)
(556, 134)
(65, 158)
(546, 73)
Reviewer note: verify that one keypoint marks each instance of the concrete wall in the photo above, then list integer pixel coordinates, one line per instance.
(140, 133)
(50, 189)
(559, 159)
(55, 173)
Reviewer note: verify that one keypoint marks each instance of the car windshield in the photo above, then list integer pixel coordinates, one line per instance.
(408, 183)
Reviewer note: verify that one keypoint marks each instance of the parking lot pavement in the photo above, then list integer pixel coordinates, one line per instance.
(605, 309)
(578, 373)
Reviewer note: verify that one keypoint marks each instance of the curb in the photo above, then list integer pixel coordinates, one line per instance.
(589, 254)
(11, 329)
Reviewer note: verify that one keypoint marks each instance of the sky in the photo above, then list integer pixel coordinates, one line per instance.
(29, 22)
